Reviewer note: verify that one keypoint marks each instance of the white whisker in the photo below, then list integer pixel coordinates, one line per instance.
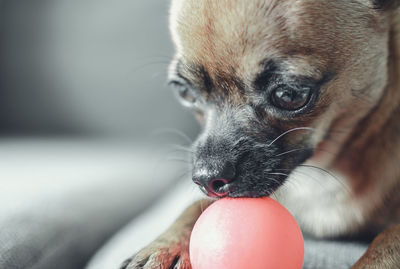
(290, 131)
(279, 174)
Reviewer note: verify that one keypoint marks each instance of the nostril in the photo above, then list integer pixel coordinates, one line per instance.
(214, 177)
(217, 185)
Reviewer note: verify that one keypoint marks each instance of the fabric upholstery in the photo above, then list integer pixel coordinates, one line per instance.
(61, 199)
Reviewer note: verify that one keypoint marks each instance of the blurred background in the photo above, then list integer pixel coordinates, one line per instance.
(86, 125)
(88, 67)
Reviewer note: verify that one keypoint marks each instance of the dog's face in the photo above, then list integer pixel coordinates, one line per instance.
(271, 81)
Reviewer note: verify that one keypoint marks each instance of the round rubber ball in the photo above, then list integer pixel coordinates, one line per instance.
(246, 233)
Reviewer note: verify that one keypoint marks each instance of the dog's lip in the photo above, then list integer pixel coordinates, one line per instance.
(218, 194)
(212, 193)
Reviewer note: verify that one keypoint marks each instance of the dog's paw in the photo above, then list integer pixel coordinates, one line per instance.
(157, 256)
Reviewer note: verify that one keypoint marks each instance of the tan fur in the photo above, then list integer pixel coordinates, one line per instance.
(228, 35)
(357, 119)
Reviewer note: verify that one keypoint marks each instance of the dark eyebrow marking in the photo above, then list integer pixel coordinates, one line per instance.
(207, 80)
(199, 78)
(198, 72)
(271, 68)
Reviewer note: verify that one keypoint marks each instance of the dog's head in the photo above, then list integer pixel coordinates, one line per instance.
(271, 79)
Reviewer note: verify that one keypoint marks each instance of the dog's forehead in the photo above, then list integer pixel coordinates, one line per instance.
(227, 35)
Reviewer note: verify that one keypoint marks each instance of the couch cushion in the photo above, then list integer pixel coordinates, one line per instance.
(61, 199)
(146, 227)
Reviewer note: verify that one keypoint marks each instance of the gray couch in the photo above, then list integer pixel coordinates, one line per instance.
(62, 198)
(86, 173)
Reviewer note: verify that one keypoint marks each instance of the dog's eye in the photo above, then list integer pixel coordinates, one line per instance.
(290, 98)
(184, 93)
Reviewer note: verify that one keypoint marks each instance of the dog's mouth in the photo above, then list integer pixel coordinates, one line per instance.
(259, 174)
(221, 188)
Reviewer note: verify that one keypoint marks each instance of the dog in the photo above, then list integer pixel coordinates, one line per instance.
(299, 100)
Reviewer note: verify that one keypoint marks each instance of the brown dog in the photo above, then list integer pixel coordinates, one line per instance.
(300, 99)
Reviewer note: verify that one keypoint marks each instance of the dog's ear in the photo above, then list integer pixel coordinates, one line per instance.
(385, 4)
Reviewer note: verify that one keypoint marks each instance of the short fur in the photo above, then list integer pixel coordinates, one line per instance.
(333, 162)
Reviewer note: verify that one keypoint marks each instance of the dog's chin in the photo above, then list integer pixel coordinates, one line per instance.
(250, 194)
(257, 191)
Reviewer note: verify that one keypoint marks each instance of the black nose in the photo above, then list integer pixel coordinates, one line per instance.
(214, 178)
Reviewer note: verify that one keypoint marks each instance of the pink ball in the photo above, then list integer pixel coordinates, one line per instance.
(246, 233)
